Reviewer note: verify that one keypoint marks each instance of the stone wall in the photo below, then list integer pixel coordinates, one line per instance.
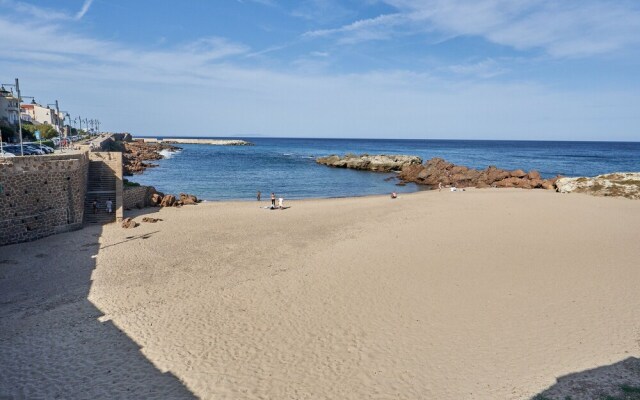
(137, 196)
(41, 195)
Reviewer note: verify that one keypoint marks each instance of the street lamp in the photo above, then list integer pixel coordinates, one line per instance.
(57, 120)
(67, 117)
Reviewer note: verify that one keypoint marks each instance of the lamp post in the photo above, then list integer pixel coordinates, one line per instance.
(67, 117)
(57, 121)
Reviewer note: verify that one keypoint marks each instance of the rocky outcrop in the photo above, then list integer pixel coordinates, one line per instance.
(134, 155)
(619, 184)
(377, 163)
(437, 170)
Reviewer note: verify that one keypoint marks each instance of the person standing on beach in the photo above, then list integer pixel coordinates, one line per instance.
(439, 186)
(109, 205)
(258, 196)
(95, 207)
(273, 200)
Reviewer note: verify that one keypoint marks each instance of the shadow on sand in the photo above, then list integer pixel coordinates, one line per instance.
(52, 344)
(618, 381)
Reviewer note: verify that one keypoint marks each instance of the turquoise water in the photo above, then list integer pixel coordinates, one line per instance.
(288, 167)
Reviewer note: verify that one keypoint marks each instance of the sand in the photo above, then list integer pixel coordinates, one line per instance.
(483, 294)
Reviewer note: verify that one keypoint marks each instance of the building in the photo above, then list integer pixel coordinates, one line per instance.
(8, 107)
(41, 115)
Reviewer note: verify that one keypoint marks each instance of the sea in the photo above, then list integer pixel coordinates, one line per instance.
(287, 166)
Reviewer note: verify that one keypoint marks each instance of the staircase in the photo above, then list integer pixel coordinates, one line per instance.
(101, 186)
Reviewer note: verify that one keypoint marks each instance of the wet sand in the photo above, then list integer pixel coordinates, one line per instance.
(483, 294)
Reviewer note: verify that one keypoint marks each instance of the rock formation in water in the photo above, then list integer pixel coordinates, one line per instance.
(135, 153)
(619, 184)
(377, 163)
(437, 170)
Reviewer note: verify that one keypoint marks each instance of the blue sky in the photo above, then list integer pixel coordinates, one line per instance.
(465, 69)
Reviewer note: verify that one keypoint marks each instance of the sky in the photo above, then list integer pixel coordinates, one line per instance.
(426, 69)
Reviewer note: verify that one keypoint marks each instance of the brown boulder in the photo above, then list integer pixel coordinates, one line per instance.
(536, 183)
(168, 200)
(523, 184)
(156, 199)
(507, 182)
(518, 173)
(547, 184)
(129, 223)
(533, 174)
(493, 174)
(188, 198)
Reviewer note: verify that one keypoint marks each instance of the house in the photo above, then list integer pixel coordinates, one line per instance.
(41, 115)
(8, 106)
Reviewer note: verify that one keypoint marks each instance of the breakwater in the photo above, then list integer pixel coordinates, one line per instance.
(213, 142)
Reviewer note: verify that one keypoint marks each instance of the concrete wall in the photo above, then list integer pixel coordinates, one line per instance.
(41, 195)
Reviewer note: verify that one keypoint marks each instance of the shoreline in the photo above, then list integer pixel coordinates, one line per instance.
(353, 297)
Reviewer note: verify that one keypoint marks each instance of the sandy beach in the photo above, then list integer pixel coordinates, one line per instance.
(483, 294)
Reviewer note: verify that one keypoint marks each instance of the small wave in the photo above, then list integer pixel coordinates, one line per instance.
(167, 153)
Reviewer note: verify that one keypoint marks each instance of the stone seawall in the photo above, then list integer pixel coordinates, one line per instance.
(41, 195)
(137, 197)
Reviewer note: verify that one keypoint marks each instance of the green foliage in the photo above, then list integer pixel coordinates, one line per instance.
(46, 131)
(127, 182)
(8, 131)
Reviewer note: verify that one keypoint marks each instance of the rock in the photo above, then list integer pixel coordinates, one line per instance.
(188, 198)
(494, 174)
(129, 223)
(156, 199)
(535, 183)
(134, 154)
(151, 220)
(533, 174)
(547, 184)
(437, 170)
(168, 200)
(377, 163)
(508, 182)
(620, 184)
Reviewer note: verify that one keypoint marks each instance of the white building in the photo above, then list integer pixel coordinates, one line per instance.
(41, 115)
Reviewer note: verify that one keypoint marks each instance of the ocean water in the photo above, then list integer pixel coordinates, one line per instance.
(287, 166)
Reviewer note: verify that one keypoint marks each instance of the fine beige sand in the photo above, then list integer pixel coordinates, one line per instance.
(483, 294)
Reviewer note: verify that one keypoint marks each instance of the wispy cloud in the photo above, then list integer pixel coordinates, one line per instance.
(572, 28)
(488, 68)
(84, 9)
(378, 28)
(45, 13)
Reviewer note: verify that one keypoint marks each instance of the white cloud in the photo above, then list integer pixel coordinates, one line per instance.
(488, 68)
(44, 13)
(570, 28)
(208, 83)
(84, 9)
